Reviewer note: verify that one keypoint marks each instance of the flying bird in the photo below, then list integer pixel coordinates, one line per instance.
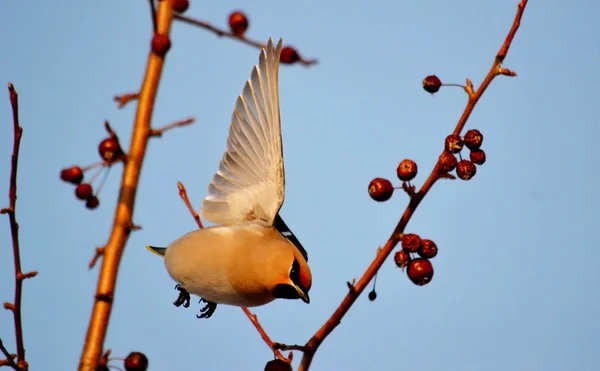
(251, 257)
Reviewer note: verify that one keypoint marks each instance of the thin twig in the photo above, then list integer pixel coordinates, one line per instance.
(97, 255)
(125, 98)
(281, 346)
(220, 32)
(159, 132)
(186, 200)
(313, 344)
(9, 361)
(14, 231)
(153, 15)
(122, 225)
(252, 317)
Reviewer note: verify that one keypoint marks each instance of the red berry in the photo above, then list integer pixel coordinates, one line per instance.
(411, 242)
(407, 170)
(453, 143)
(432, 84)
(110, 149)
(278, 365)
(401, 258)
(420, 271)
(161, 44)
(428, 249)
(72, 175)
(447, 162)
(181, 6)
(289, 55)
(473, 139)
(238, 23)
(477, 156)
(92, 202)
(83, 191)
(372, 295)
(380, 189)
(136, 361)
(465, 170)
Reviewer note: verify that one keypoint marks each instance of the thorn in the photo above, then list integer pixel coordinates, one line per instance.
(9, 306)
(505, 72)
(446, 176)
(23, 276)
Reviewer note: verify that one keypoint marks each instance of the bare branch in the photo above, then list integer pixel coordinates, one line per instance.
(159, 132)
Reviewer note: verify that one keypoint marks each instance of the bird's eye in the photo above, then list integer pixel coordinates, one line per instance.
(295, 272)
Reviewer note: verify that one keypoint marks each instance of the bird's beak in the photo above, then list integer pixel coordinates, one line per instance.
(303, 295)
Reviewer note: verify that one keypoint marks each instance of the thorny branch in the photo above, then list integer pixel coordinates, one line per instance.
(220, 32)
(313, 344)
(252, 317)
(122, 225)
(11, 210)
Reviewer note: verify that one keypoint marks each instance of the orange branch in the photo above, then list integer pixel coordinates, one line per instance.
(123, 224)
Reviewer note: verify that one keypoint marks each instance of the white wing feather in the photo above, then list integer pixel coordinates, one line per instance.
(250, 182)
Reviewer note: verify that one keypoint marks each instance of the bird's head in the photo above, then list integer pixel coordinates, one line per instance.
(297, 280)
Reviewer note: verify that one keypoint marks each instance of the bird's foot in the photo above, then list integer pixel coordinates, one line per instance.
(208, 310)
(183, 298)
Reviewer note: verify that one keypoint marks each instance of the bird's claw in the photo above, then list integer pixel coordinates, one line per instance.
(183, 298)
(208, 310)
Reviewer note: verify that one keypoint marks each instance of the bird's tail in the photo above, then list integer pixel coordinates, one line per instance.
(157, 250)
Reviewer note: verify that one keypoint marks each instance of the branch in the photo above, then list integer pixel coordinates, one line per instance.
(313, 344)
(122, 226)
(14, 231)
(159, 132)
(9, 361)
(251, 317)
(125, 98)
(220, 32)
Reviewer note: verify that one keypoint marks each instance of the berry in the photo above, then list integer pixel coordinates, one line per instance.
(453, 143)
(447, 162)
(289, 55)
(110, 149)
(465, 170)
(473, 139)
(401, 258)
(432, 84)
(278, 365)
(181, 6)
(83, 191)
(477, 156)
(136, 361)
(372, 295)
(161, 44)
(72, 175)
(407, 170)
(380, 189)
(411, 242)
(428, 249)
(92, 202)
(420, 271)
(238, 23)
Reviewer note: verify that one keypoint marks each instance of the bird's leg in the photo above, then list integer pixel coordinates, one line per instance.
(183, 298)
(208, 310)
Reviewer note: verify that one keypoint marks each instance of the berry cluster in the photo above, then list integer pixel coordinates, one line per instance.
(420, 270)
(453, 144)
(111, 152)
(381, 189)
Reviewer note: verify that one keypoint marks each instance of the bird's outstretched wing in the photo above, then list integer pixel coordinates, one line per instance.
(250, 182)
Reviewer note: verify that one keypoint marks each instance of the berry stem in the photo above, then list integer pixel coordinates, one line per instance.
(113, 251)
(313, 344)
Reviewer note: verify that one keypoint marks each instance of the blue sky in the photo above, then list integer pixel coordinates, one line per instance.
(516, 283)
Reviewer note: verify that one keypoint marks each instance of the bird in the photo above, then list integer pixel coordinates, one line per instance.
(250, 257)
